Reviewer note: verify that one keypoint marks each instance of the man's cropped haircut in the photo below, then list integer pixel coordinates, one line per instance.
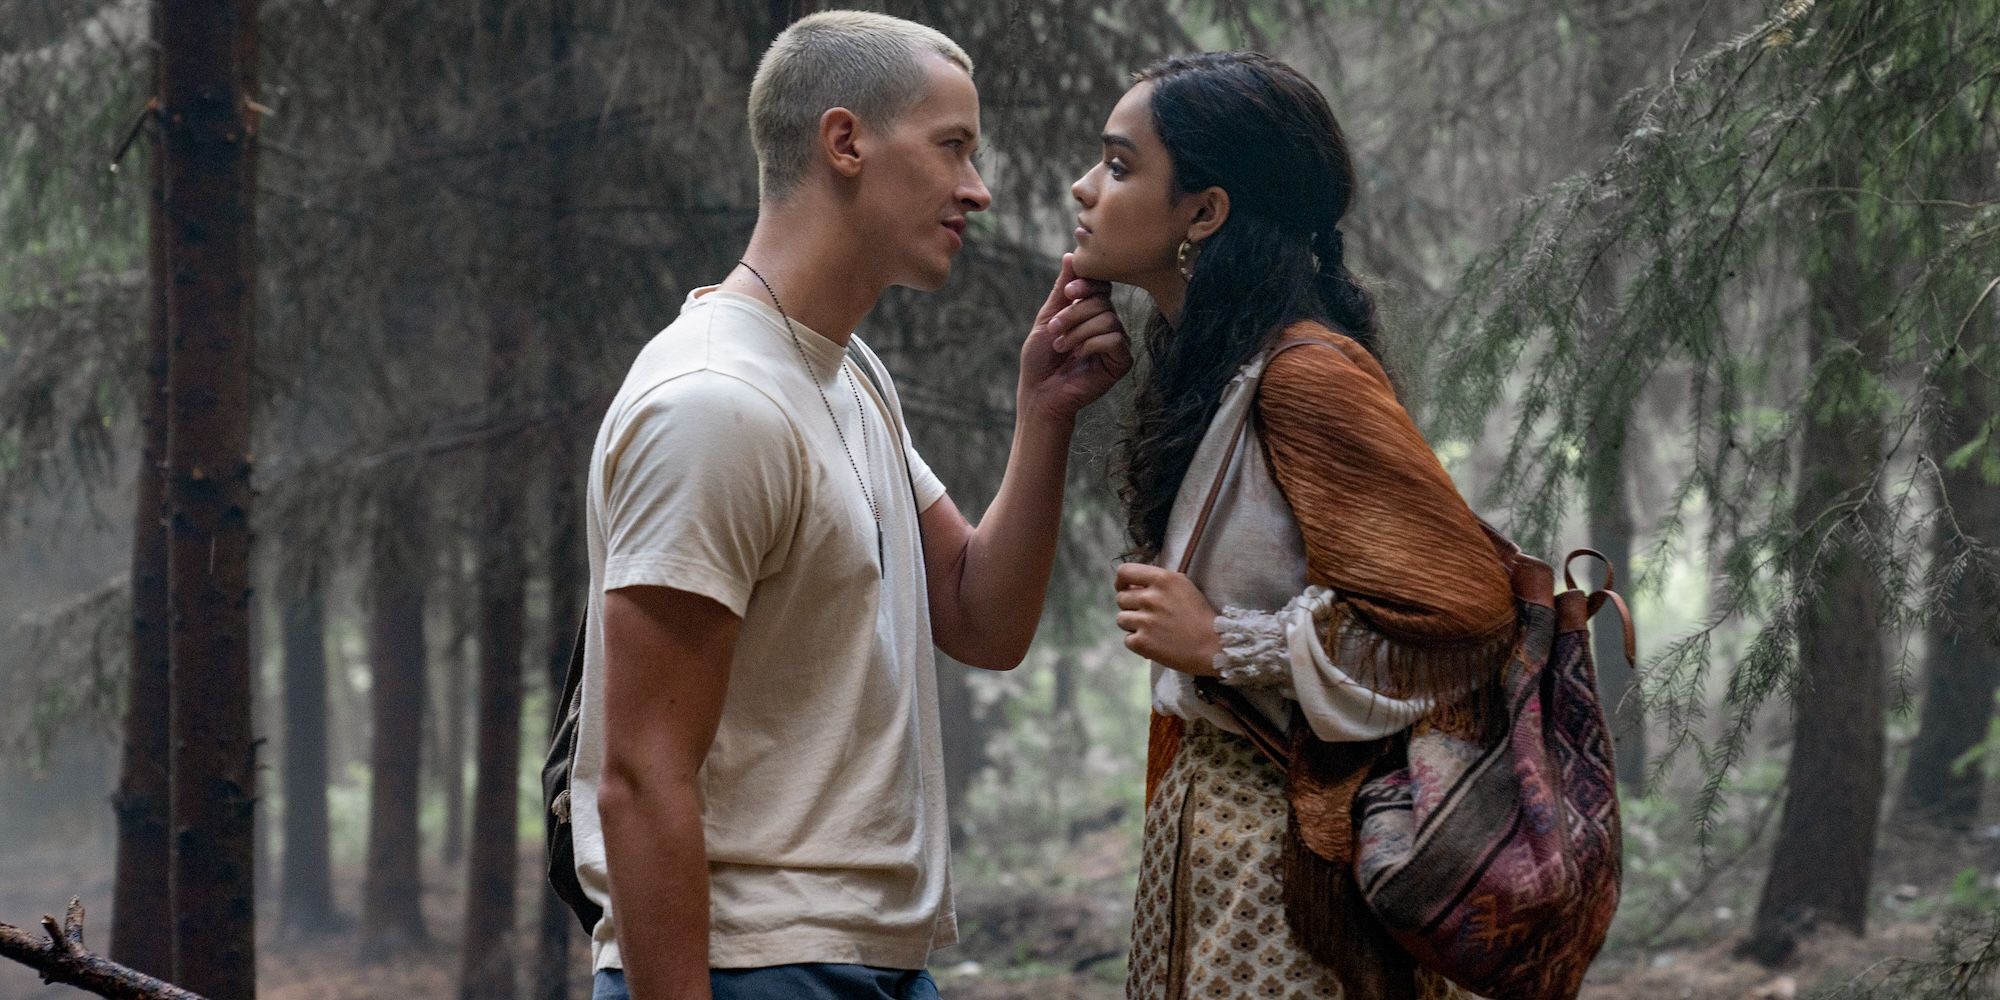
(871, 64)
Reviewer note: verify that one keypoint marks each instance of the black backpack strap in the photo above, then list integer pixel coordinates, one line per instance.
(567, 725)
(573, 680)
(557, 768)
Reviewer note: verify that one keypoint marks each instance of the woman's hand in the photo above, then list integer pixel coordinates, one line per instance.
(1168, 619)
(1076, 349)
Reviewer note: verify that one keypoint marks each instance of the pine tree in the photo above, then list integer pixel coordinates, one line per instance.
(392, 915)
(141, 928)
(306, 887)
(208, 54)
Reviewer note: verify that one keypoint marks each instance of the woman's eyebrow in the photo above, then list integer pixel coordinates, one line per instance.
(1114, 139)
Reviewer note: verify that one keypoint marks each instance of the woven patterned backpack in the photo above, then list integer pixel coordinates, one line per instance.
(1496, 862)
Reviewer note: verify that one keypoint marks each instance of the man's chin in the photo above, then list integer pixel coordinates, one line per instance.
(927, 281)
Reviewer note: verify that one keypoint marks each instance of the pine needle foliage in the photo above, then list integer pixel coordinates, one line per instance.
(1963, 964)
(72, 302)
(1720, 179)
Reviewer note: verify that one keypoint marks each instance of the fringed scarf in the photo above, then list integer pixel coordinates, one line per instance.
(1425, 607)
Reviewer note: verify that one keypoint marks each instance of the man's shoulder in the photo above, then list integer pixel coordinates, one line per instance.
(718, 336)
(706, 358)
(703, 408)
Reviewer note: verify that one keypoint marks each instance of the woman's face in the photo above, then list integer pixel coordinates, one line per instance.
(1129, 227)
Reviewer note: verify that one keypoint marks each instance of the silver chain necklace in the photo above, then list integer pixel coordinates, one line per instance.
(875, 508)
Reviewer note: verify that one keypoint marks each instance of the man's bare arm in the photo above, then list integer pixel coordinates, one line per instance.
(667, 655)
(987, 584)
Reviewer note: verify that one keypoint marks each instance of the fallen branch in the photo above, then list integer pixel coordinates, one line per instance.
(62, 958)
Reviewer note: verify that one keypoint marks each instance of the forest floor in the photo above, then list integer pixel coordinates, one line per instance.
(1042, 942)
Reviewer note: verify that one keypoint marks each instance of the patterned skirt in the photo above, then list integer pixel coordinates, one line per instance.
(1209, 922)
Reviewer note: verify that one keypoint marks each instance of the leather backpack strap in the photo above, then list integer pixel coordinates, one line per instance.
(1269, 740)
(1214, 491)
(1605, 595)
(1229, 455)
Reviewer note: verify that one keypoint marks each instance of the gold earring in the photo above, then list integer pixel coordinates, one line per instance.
(1181, 259)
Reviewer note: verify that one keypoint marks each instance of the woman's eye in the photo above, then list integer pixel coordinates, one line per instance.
(1117, 169)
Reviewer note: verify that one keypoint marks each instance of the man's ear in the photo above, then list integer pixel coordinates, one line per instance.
(840, 141)
(1211, 210)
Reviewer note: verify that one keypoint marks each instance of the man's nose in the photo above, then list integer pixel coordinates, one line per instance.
(975, 197)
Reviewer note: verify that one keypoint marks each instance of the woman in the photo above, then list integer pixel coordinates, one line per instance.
(1356, 591)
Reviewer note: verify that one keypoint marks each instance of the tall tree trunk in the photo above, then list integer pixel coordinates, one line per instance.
(964, 739)
(452, 716)
(261, 713)
(1611, 533)
(568, 573)
(306, 889)
(141, 911)
(392, 916)
(486, 969)
(1964, 664)
(1066, 669)
(210, 141)
(486, 963)
(1607, 475)
(1824, 855)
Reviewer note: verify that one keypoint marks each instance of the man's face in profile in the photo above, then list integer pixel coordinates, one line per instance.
(919, 187)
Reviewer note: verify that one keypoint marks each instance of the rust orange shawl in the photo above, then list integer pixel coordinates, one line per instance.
(1384, 528)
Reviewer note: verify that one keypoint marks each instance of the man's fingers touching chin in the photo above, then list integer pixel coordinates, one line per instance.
(1104, 345)
(1083, 328)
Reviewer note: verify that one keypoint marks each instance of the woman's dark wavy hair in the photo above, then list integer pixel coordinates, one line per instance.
(1256, 128)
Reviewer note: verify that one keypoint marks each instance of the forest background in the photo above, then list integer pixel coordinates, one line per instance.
(1708, 287)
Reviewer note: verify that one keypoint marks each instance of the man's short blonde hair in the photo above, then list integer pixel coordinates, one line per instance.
(871, 64)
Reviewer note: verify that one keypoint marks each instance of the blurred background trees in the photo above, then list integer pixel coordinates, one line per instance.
(1710, 287)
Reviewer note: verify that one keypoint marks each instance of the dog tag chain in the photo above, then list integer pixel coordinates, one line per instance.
(874, 507)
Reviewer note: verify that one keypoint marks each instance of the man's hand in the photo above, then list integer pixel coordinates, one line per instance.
(1167, 618)
(1076, 350)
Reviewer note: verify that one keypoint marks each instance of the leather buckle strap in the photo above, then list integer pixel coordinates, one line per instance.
(1605, 595)
(1610, 574)
(1598, 600)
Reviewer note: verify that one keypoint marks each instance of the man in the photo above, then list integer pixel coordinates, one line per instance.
(759, 779)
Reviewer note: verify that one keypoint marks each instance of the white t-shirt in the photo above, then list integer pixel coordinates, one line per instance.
(717, 471)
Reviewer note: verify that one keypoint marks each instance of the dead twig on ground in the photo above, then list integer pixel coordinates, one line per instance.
(62, 958)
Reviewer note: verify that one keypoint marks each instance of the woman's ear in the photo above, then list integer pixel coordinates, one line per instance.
(1211, 211)
(840, 141)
